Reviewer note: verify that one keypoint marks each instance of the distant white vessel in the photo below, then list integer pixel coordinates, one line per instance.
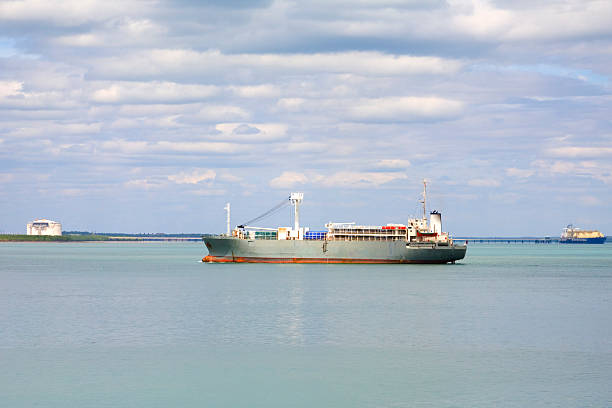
(44, 227)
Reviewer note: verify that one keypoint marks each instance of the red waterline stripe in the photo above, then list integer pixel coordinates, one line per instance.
(237, 259)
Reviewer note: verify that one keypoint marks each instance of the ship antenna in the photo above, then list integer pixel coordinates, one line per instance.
(424, 199)
(227, 209)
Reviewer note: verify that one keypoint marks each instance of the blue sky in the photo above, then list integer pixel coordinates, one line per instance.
(147, 116)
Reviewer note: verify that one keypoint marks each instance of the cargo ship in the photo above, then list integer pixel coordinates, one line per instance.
(418, 241)
(573, 235)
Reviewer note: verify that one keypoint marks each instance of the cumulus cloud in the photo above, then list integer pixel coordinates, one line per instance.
(342, 179)
(349, 179)
(14, 96)
(250, 132)
(256, 91)
(560, 21)
(9, 88)
(221, 113)
(288, 179)
(64, 13)
(404, 108)
(386, 109)
(164, 62)
(597, 170)
(152, 92)
(195, 177)
(118, 32)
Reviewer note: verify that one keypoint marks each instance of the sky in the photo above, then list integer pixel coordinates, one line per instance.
(148, 116)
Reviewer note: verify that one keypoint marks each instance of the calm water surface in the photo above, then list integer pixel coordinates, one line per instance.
(147, 325)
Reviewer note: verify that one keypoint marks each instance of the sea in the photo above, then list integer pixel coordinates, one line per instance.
(149, 325)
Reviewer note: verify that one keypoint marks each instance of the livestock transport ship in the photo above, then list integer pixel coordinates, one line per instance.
(419, 241)
(572, 235)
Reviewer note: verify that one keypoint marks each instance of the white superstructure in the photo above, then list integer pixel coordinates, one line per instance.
(44, 227)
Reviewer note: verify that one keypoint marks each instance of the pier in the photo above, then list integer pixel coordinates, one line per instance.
(509, 240)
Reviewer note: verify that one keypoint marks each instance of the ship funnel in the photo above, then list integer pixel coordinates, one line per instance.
(435, 222)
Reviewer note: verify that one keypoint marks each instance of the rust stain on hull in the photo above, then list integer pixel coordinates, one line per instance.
(220, 259)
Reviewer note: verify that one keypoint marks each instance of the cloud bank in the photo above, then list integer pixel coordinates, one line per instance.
(177, 107)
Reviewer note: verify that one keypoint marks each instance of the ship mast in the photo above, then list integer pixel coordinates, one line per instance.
(424, 201)
(296, 199)
(227, 209)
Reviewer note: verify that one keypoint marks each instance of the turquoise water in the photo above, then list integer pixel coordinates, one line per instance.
(147, 325)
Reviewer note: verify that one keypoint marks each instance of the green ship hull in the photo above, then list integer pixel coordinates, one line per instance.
(232, 249)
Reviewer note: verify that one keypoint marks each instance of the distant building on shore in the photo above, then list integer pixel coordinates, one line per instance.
(44, 227)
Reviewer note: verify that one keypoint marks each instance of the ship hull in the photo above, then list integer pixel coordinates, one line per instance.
(229, 249)
(597, 240)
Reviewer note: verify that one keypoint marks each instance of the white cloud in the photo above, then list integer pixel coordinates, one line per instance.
(164, 146)
(9, 88)
(484, 182)
(74, 192)
(230, 178)
(196, 147)
(160, 62)
(152, 92)
(302, 147)
(221, 113)
(359, 179)
(158, 109)
(393, 163)
(250, 132)
(577, 151)
(342, 179)
(54, 128)
(288, 179)
(597, 170)
(384, 109)
(66, 12)
(291, 104)
(14, 96)
(195, 177)
(483, 21)
(256, 91)
(142, 184)
(165, 122)
(562, 20)
(81, 40)
(404, 108)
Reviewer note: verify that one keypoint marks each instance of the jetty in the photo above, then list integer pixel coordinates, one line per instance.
(510, 240)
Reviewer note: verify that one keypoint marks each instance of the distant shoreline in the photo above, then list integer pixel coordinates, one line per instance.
(97, 238)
